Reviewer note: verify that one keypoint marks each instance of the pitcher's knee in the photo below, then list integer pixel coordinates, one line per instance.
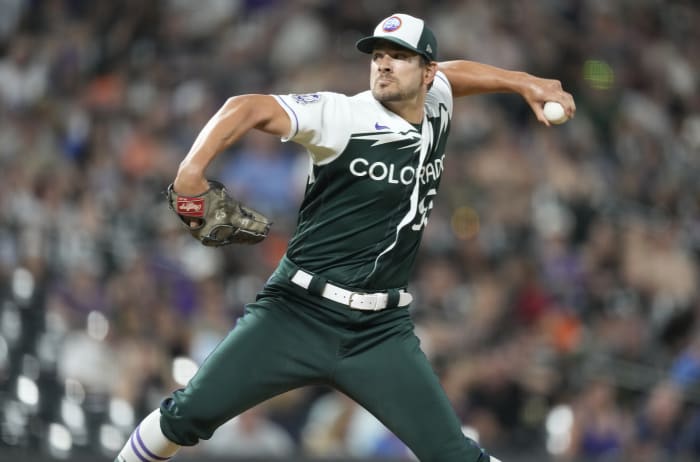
(456, 450)
(183, 423)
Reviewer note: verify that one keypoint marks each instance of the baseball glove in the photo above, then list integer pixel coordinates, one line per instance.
(215, 218)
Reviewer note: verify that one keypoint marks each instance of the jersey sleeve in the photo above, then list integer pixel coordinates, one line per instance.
(319, 121)
(440, 93)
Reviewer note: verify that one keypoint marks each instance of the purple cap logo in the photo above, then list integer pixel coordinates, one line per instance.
(391, 24)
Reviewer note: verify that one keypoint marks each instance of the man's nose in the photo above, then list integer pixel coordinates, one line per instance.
(384, 63)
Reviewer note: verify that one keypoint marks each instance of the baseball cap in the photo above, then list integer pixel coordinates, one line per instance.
(405, 30)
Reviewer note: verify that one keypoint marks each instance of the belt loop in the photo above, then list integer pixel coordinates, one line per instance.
(316, 285)
(393, 296)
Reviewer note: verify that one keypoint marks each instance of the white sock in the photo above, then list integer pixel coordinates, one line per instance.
(147, 442)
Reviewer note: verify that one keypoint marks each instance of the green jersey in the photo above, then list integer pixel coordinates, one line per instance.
(372, 180)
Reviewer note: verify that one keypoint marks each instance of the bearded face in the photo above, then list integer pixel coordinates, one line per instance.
(396, 73)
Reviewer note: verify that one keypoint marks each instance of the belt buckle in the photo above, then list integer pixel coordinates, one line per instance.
(371, 305)
(352, 294)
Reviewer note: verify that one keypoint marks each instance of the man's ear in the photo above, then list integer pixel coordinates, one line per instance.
(429, 73)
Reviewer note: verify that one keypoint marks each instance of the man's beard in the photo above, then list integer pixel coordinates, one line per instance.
(384, 96)
(388, 95)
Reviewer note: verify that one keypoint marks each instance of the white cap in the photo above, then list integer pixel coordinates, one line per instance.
(405, 30)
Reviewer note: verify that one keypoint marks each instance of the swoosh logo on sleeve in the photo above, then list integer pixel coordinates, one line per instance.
(378, 126)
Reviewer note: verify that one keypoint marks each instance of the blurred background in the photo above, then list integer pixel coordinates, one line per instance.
(557, 287)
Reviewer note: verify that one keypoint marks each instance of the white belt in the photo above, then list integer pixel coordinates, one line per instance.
(357, 300)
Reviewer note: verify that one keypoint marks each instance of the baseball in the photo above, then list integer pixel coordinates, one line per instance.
(554, 112)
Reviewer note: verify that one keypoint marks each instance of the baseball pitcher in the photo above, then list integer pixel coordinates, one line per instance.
(334, 311)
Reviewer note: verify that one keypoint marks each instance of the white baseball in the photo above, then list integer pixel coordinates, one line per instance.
(554, 112)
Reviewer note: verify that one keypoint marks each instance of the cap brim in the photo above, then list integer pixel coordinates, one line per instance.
(366, 45)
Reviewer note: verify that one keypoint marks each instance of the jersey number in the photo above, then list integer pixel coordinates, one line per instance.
(424, 207)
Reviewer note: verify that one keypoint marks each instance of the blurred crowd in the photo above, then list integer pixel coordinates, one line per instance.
(556, 291)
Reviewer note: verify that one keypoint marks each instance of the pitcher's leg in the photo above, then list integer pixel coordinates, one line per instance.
(271, 350)
(395, 381)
